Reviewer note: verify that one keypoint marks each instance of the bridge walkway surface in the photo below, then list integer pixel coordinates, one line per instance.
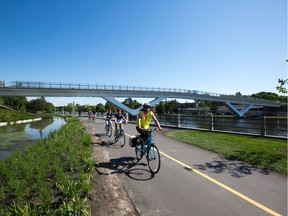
(111, 92)
(191, 181)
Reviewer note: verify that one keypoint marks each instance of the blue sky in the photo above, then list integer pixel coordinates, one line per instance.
(221, 46)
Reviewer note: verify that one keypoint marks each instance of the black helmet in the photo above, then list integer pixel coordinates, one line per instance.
(146, 105)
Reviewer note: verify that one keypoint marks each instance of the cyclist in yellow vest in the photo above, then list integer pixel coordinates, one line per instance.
(144, 119)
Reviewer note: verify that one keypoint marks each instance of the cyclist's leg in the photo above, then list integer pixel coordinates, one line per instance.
(106, 124)
(109, 127)
(110, 124)
(146, 136)
(142, 133)
(116, 129)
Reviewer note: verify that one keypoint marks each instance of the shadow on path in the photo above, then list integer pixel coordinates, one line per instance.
(127, 166)
(236, 169)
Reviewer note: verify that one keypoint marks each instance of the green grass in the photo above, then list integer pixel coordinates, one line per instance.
(260, 151)
(10, 115)
(51, 177)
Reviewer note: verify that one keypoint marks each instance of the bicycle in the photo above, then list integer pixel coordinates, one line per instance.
(149, 149)
(120, 135)
(108, 127)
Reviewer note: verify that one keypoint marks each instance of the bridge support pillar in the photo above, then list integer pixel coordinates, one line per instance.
(128, 109)
(240, 112)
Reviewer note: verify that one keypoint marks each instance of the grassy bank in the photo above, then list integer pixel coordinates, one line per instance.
(51, 177)
(10, 115)
(263, 152)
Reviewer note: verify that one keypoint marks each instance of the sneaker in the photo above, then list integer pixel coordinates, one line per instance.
(138, 146)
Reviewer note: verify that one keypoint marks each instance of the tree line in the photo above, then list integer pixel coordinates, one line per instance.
(20, 103)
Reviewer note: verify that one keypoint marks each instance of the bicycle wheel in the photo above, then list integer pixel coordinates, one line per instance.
(153, 159)
(138, 151)
(122, 138)
(109, 130)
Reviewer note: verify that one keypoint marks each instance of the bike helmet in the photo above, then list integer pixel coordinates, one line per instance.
(146, 105)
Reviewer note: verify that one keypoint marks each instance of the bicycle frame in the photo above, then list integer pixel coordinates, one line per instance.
(120, 135)
(108, 122)
(151, 151)
(119, 130)
(148, 142)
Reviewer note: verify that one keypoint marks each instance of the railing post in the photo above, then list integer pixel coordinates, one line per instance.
(178, 121)
(263, 126)
(211, 122)
(127, 117)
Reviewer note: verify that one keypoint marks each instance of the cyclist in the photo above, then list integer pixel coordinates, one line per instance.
(144, 119)
(108, 117)
(119, 119)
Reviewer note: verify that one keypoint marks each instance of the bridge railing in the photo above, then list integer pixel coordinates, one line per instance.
(61, 85)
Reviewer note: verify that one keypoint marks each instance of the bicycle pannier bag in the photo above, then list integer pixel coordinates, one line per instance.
(133, 141)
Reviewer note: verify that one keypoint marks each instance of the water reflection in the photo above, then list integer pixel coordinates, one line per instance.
(40, 129)
(17, 136)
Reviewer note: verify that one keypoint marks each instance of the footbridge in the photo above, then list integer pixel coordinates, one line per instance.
(111, 92)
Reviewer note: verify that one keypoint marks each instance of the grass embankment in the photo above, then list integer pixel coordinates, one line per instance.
(260, 151)
(12, 116)
(51, 177)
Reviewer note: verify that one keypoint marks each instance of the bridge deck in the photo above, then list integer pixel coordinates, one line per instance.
(58, 89)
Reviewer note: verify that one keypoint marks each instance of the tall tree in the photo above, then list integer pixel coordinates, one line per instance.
(266, 95)
(39, 104)
(100, 107)
(15, 102)
(109, 105)
(282, 88)
(133, 104)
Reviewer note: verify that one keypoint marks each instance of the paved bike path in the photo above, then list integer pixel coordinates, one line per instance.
(193, 181)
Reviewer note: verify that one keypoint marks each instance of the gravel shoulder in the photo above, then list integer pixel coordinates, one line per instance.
(108, 195)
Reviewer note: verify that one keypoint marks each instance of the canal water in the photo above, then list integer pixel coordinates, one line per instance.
(17, 136)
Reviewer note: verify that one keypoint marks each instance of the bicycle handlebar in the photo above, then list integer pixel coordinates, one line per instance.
(151, 130)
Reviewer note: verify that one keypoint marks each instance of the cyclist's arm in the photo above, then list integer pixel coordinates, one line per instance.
(124, 120)
(156, 121)
(139, 120)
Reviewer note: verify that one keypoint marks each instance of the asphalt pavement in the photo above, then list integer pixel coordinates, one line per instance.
(193, 181)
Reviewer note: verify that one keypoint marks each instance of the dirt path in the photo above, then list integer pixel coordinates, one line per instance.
(108, 196)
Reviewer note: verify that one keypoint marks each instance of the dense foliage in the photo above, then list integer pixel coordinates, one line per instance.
(270, 96)
(16, 102)
(282, 86)
(20, 103)
(51, 177)
(40, 105)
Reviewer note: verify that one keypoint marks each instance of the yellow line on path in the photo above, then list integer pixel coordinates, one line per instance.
(264, 208)
(224, 186)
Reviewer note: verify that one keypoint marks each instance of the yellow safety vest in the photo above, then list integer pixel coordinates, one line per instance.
(145, 119)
